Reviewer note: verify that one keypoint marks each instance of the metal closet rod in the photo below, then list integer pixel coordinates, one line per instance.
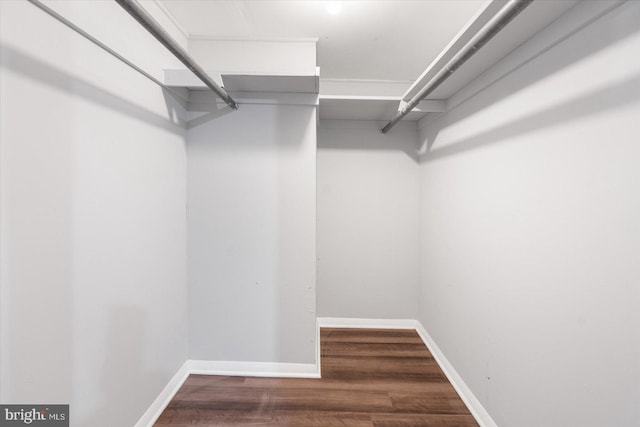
(97, 42)
(112, 52)
(142, 16)
(493, 27)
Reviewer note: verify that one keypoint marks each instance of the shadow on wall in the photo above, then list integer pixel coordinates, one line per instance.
(205, 108)
(625, 93)
(37, 249)
(206, 114)
(575, 48)
(35, 69)
(333, 135)
(124, 376)
(252, 127)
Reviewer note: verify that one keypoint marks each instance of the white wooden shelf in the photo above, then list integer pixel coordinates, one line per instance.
(247, 82)
(343, 107)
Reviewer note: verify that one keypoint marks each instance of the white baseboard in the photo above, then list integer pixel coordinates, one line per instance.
(304, 370)
(254, 369)
(475, 407)
(210, 367)
(342, 322)
(155, 410)
(318, 355)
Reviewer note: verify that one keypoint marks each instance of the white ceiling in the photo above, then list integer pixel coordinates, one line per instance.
(373, 40)
(369, 42)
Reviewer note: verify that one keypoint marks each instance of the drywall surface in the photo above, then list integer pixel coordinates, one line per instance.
(530, 233)
(368, 244)
(251, 245)
(93, 232)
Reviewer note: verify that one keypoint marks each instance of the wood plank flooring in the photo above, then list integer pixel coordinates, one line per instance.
(370, 377)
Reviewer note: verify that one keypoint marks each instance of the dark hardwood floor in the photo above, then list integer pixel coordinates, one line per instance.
(370, 377)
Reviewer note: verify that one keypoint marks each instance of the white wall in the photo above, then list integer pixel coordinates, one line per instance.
(251, 222)
(368, 244)
(530, 233)
(93, 243)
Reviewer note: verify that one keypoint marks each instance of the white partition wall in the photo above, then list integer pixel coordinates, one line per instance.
(251, 222)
